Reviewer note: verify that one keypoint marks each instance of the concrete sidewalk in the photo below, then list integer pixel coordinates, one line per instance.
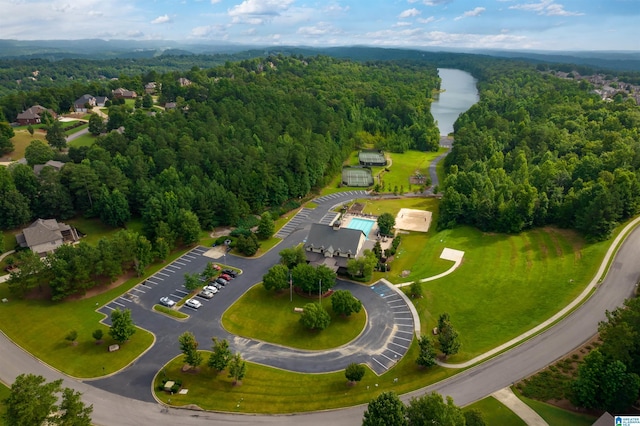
(513, 403)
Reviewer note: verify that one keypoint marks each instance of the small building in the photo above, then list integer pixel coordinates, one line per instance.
(46, 235)
(183, 82)
(84, 103)
(124, 93)
(101, 101)
(170, 105)
(33, 115)
(150, 88)
(57, 165)
(333, 246)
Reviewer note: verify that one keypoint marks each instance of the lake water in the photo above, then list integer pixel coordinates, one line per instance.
(460, 93)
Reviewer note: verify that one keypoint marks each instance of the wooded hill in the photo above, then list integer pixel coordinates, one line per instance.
(539, 150)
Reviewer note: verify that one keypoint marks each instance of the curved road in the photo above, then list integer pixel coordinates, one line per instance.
(465, 387)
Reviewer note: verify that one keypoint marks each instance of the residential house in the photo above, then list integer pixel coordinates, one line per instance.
(84, 103)
(33, 115)
(170, 105)
(101, 101)
(333, 246)
(150, 88)
(57, 165)
(45, 235)
(124, 93)
(183, 82)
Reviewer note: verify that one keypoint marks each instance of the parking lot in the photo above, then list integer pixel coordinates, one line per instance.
(167, 282)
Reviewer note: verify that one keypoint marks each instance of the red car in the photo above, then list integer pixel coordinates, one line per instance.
(216, 266)
(226, 277)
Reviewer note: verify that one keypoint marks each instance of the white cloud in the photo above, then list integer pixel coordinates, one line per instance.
(260, 8)
(215, 1)
(409, 13)
(435, 2)
(470, 13)
(161, 19)
(546, 8)
(321, 28)
(428, 20)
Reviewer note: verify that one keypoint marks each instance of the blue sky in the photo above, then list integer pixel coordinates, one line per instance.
(502, 24)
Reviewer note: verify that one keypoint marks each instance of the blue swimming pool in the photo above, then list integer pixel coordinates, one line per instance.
(364, 225)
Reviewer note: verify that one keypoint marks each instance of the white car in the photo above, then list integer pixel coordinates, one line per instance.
(167, 302)
(206, 294)
(193, 303)
(210, 288)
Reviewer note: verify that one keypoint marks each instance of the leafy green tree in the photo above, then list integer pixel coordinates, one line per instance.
(276, 278)
(30, 129)
(97, 335)
(189, 347)
(291, 257)
(71, 336)
(474, 418)
(6, 133)
(304, 277)
(325, 277)
(427, 354)
(604, 384)
(344, 303)
(72, 411)
(386, 222)
(237, 369)
(354, 372)
(209, 271)
(248, 245)
(31, 400)
(315, 317)
(161, 248)
(415, 290)
(29, 275)
(362, 267)
(55, 135)
(147, 101)
(447, 336)
(122, 327)
(266, 227)
(189, 227)
(96, 125)
(385, 410)
(221, 354)
(38, 152)
(432, 409)
(113, 207)
(143, 254)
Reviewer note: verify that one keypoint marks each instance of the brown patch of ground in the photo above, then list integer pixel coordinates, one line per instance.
(220, 231)
(103, 287)
(356, 208)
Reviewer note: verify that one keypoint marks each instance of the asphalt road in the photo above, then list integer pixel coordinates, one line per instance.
(465, 387)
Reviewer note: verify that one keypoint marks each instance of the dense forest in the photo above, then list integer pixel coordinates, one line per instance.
(540, 150)
(245, 137)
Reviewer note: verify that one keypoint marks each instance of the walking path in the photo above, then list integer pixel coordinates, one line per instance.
(512, 402)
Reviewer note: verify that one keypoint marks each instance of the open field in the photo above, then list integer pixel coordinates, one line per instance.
(84, 140)
(20, 141)
(495, 413)
(401, 167)
(284, 328)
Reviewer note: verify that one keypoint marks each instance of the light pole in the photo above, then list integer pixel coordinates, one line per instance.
(290, 287)
(320, 292)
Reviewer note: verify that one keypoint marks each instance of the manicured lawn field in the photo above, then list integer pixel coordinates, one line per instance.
(557, 416)
(284, 327)
(271, 390)
(495, 413)
(93, 228)
(75, 129)
(84, 140)
(402, 167)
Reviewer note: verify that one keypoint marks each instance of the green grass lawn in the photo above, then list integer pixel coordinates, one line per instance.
(495, 413)
(93, 228)
(556, 416)
(75, 129)
(284, 327)
(402, 167)
(271, 390)
(84, 140)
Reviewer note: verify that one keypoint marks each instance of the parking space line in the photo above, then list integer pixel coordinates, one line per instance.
(173, 266)
(391, 350)
(398, 344)
(189, 256)
(405, 325)
(180, 263)
(390, 359)
(161, 273)
(119, 304)
(175, 295)
(405, 332)
(402, 338)
(402, 318)
(137, 289)
(125, 300)
(181, 291)
(381, 364)
(109, 307)
(150, 282)
(156, 278)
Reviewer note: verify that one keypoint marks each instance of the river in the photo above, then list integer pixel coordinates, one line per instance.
(460, 93)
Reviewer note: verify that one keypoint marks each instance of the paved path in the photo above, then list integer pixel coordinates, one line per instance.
(512, 402)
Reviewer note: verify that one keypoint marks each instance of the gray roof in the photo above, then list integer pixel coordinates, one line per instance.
(42, 231)
(58, 165)
(605, 420)
(341, 240)
(83, 100)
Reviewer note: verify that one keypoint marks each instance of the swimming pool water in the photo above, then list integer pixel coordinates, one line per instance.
(364, 225)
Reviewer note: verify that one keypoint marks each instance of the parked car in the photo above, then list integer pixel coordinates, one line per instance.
(216, 285)
(213, 289)
(215, 266)
(167, 302)
(225, 277)
(193, 303)
(230, 272)
(206, 294)
(222, 281)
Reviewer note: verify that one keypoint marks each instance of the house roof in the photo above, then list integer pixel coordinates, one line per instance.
(58, 165)
(605, 420)
(84, 99)
(101, 99)
(43, 231)
(34, 112)
(341, 240)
